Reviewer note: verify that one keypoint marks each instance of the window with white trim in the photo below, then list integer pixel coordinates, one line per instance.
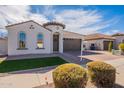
(40, 43)
(22, 40)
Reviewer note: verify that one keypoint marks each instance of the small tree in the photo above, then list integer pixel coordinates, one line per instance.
(110, 46)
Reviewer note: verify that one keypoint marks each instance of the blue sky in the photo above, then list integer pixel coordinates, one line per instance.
(81, 19)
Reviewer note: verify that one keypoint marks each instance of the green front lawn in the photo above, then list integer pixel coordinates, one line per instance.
(23, 64)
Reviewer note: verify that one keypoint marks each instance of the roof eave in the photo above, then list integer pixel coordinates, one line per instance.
(26, 22)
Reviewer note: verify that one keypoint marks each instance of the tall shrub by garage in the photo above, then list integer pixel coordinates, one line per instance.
(110, 46)
(69, 76)
(101, 74)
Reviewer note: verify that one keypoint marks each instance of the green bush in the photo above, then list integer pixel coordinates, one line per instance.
(101, 74)
(69, 76)
(121, 46)
(110, 46)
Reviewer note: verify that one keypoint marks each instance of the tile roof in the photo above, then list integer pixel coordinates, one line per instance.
(65, 32)
(54, 23)
(26, 22)
(118, 34)
(98, 36)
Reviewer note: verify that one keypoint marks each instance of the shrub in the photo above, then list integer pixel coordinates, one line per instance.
(110, 46)
(121, 46)
(101, 74)
(69, 76)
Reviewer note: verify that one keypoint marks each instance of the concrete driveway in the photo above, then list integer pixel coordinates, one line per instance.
(94, 55)
(102, 56)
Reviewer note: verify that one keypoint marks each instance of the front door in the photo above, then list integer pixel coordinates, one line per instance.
(55, 42)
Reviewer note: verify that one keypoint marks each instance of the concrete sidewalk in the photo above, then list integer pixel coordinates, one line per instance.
(26, 80)
(119, 65)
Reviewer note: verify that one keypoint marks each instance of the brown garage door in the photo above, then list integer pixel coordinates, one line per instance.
(72, 44)
(106, 45)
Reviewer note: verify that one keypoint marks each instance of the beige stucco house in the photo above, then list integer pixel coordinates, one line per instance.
(98, 41)
(101, 41)
(31, 37)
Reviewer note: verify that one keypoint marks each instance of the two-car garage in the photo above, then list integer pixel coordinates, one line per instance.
(72, 41)
(71, 44)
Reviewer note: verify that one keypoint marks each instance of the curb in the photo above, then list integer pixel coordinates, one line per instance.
(27, 71)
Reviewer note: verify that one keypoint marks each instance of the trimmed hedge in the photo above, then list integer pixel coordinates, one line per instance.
(121, 46)
(69, 76)
(101, 74)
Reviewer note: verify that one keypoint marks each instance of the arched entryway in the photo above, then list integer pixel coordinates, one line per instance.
(56, 42)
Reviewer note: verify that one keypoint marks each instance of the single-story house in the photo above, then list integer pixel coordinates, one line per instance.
(30, 37)
(98, 41)
(3, 45)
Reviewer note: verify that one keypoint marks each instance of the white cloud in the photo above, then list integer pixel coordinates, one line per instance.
(48, 10)
(76, 20)
(13, 14)
(38, 18)
(112, 32)
(83, 21)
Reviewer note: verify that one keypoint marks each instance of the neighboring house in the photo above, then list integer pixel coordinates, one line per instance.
(31, 37)
(98, 41)
(3, 46)
(119, 38)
